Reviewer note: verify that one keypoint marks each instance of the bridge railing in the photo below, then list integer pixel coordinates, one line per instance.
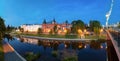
(115, 45)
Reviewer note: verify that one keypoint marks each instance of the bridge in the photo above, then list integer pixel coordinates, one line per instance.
(113, 44)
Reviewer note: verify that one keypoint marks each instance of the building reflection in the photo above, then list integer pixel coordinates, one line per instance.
(67, 44)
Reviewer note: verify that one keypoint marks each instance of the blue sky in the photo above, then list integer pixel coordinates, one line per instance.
(17, 12)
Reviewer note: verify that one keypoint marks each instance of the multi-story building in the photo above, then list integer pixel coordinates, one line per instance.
(61, 28)
(47, 27)
(31, 27)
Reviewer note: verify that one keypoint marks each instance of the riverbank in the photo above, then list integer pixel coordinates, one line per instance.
(10, 54)
(65, 36)
(63, 39)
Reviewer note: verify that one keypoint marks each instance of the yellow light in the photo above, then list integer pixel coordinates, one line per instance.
(101, 30)
(80, 46)
(84, 30)
(79, 31)
(48, 30)
(65, 31)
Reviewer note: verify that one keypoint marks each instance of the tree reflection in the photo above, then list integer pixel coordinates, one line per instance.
(95, 44)
(78, 45)
(68, 44)
(9, 37)
(39, 42)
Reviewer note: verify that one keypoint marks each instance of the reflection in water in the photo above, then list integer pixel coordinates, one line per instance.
(67, 44)
(64, 48)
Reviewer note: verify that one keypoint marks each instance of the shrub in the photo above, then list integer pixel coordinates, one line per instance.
(54, 53)
(32, 57)
(74, 58)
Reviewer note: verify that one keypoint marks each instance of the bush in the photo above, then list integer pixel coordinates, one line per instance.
(54, 53)
(32, 57)
(70, 36)
(71, 59)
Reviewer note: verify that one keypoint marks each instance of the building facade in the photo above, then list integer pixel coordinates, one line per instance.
(60, 28)
(47, 27)
(31, 27)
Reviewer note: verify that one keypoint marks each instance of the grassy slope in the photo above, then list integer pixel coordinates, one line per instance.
(67, 36)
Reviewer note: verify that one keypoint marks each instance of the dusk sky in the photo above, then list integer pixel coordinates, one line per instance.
(18, 12)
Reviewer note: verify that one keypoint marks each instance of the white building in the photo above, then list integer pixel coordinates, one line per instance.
(31, 27)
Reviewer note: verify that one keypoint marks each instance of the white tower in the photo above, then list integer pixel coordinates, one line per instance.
(109, 13)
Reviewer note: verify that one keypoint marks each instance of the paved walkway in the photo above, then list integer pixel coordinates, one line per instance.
(10, 54)
(62, 39)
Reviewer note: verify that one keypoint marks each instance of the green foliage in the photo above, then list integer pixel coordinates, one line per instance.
(71, 59)
(22, 30)
(54, 20)
(51, 32)
(77, 24)
(66, 22)
(118, 25)
(32, 57)
(2, 26)
(95, 44)
(39, 31)
(68, 32)
(94, 24)
(1, 52)
(70, 36)
(55, 29)
(10, 28)
(2, 32)
(97, 30)
(54, 53)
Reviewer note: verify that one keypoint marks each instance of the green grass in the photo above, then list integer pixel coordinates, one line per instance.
(53, 36)
(1, 52)
(64, 36)
(95, 37)
(67, 36)
(74, 58)
(32, 57)
(54, 53)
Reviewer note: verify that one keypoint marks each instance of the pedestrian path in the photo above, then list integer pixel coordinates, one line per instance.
(10, 54)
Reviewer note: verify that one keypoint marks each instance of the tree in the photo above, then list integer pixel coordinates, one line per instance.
(95, 26)
(9, 28)
(2, 28)
(55, 29)
(66, 22)
(96, 30)
(44, 21)
(51, 32)
(22, 30)
(54, 21)
(39, 30)
(76, 25)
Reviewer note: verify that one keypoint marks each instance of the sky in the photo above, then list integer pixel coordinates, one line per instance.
(18, 12)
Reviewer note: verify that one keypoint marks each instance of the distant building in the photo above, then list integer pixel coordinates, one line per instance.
(47, 27)
(31, 27)
(61, 28)
(114, 25)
